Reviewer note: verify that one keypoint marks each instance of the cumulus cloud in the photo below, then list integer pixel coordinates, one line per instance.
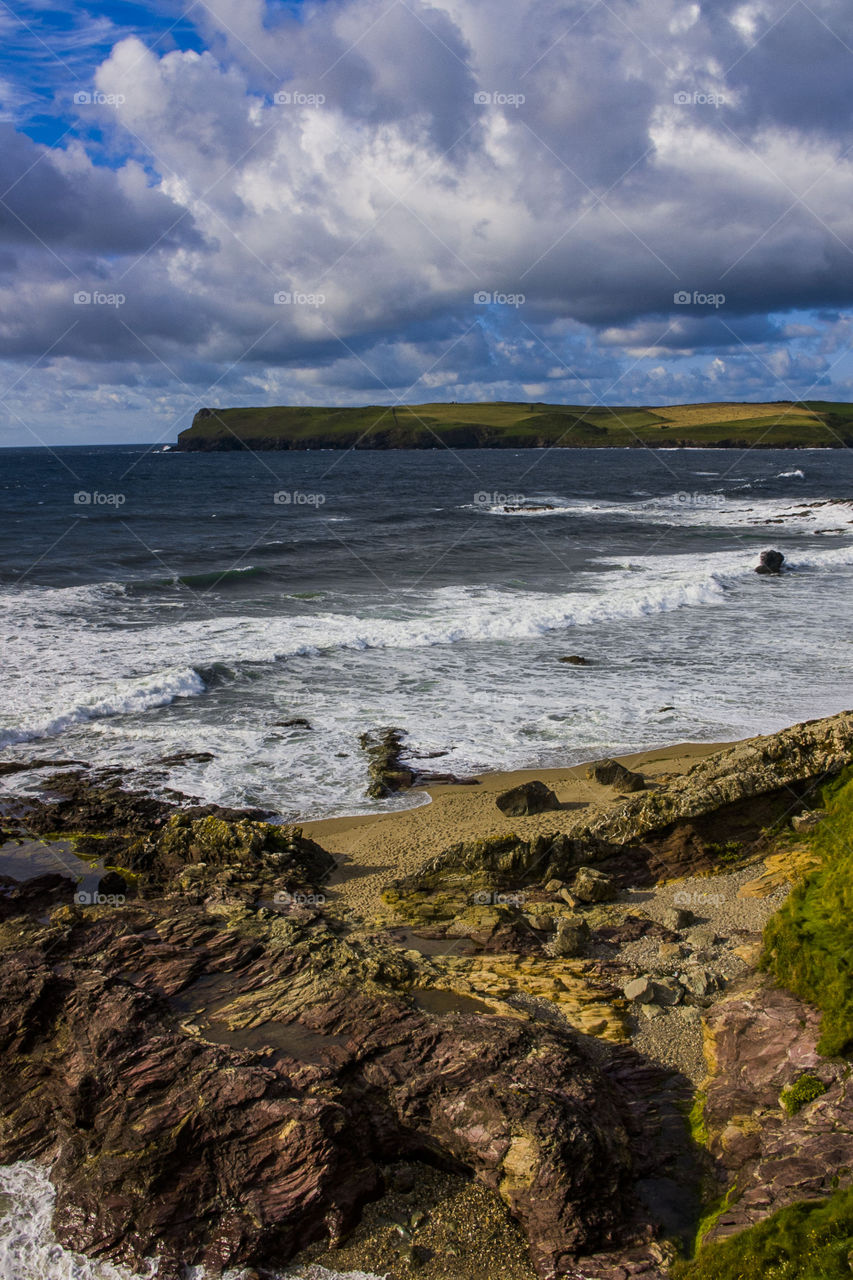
(311, 204)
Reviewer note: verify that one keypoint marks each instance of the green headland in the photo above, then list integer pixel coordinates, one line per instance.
(520, 425)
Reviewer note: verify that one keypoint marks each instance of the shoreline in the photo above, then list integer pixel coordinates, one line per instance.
(372, 849)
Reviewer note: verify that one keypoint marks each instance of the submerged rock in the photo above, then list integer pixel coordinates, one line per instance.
(529, 797)
(770, 562)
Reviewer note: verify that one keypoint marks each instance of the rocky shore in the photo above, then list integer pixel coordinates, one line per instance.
(547, 1047)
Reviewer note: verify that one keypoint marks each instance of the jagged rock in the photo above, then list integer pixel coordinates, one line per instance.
(591, 885)
(641, 989)
(677, 918)
(670, 952)
(702, 937)
(383, 750)
(699, 982)
(543, 923)
(572, 938)
(668, 991)
(575, 660)
(610, 773)
(554, 886)
(758, 1041)
(529, 797)
(168, 1140)
(809, 820)
(770, 562)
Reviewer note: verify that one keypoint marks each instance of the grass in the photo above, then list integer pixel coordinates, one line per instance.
(518, 424)
(811, 1240)
(804, 1089)
(808, 943)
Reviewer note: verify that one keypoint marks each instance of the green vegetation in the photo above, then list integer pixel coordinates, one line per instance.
(808, 944)
(811, 1240)
(804, 1089)
(726, 854)
(518, 425)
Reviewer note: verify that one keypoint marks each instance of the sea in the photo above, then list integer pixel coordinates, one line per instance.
(260, 611)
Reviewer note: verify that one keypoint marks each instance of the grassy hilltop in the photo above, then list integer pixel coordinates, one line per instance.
(518, 425)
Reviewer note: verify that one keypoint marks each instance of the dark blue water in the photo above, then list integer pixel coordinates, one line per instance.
(155, 601)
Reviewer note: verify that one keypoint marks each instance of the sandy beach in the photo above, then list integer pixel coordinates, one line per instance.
(374, 849)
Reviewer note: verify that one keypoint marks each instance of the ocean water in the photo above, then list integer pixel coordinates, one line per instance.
(153, 602)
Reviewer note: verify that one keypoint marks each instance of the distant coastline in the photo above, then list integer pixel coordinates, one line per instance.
(518, 425)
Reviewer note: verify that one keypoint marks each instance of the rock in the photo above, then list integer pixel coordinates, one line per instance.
(575, 660)
(702, 937)
(591, 885)
(169, 1140)
(569, 898)
(554, 886)
(699, 982)
(670, 952)
(668, 991)
(572, 938)
(641, 989)
(298, 722)
(528, 798)
(543, 923)
(610, 773)
(383, 750)
(677, 918)
(770, 562)
(809, 820)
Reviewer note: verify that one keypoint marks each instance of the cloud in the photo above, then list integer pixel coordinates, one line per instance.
(597, 162)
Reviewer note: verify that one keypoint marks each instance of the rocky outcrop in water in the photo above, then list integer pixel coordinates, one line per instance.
(770, 562)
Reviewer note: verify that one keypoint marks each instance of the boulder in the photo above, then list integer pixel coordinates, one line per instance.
(529, 797)
(575, 660)
(554, 886)
(610, 773)
(593, 886)
(770, 562)
(702, 937)
(677, 918)
(668, 991)
(809, 820)
(641, 989)
(572, 938)
(699, 982)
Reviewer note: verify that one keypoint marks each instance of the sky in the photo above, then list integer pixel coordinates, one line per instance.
(344, 202)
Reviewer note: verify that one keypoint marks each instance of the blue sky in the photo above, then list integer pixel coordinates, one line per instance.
(631, 202)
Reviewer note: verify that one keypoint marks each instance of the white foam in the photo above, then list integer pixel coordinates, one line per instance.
(28, 1247)
(124, 697)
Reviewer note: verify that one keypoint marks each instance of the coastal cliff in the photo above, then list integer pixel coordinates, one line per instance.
(511, 425)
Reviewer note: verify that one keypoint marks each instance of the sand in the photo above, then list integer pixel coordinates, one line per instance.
(374, 849)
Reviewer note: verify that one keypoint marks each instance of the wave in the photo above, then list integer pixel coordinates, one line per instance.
(125, 698)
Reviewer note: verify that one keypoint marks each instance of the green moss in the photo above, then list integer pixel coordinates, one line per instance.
(811, 1240)
(696, 1120)
(726, 854)
(805, 1089)
(808, 944)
